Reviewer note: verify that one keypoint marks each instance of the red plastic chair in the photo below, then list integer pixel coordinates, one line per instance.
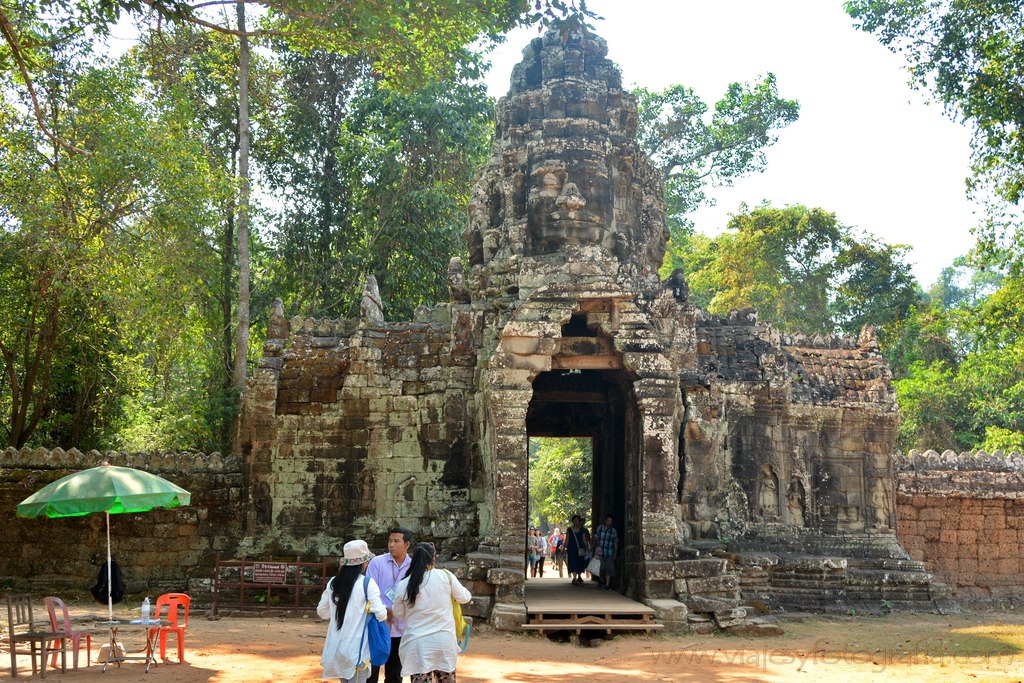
(176, 622)
(62, 624)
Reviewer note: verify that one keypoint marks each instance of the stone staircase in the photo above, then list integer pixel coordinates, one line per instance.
(835, 574)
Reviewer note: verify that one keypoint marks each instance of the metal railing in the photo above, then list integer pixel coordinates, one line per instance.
(268, 584)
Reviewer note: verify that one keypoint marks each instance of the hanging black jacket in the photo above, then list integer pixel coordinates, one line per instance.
(99, 591)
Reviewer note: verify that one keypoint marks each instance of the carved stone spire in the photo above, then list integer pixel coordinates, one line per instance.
(564, 182)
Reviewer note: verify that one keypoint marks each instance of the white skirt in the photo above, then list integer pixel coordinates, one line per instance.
(438, 651)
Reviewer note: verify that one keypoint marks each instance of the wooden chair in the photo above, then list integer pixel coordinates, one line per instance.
(22, 628)
(60, 622)
(176, 622)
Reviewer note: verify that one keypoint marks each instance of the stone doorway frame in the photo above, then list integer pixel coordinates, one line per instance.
(567, 407)
(530, 343)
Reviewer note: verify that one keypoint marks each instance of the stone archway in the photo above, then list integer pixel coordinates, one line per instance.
(599, 405)
(538, 339)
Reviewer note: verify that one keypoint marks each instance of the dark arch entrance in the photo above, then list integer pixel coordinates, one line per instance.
(599, 404)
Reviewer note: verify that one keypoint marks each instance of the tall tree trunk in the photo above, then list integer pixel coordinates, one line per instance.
(242, 331)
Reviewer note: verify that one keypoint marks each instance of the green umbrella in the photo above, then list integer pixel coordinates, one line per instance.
(108, 489)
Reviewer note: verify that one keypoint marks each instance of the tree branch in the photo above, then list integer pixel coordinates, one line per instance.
(11, 38)
(193, 19)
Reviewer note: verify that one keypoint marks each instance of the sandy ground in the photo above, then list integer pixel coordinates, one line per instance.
(895, 647)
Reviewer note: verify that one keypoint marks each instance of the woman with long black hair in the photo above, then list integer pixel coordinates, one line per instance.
(577, 549)
(344, 602)
(429, 649)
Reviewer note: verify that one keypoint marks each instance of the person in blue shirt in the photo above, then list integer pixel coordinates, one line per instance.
(606, 540)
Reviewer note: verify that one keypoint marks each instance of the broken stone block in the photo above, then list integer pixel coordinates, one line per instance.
(699, 603)
(731, 617)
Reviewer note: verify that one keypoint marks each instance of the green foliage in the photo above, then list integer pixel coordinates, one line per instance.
(695, 148)
(959, 363)
(932, 409)
(962, 284)
(195, 72)
(926, 336)
(876, 286)
(803, 271)
(376, 182)
(1007, 440)
(970, 55)
(561, 476)
(100, 255)
(407, 43)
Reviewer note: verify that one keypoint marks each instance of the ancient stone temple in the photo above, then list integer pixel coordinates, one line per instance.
(735, 459)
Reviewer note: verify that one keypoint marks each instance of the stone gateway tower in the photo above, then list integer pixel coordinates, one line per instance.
(726, 451)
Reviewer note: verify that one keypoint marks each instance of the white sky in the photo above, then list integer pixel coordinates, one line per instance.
(866, 147)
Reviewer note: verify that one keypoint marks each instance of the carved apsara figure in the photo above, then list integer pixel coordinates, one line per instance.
(795, 502)
(768, 493)
(880, 504)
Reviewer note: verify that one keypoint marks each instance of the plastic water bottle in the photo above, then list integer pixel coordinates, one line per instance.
(145, 609)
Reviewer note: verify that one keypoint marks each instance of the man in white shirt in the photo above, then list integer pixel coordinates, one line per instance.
(387, 571)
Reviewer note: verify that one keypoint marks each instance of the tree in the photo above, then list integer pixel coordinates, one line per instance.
(971, 56)
(966, 282)
(876, 286)
(199, 69)
(561, 473)
(695, 150)
(933, 409)
(959, 362)
(406, 43)
(376, 183)
(244, 199)
(803, 271)
(96, 251)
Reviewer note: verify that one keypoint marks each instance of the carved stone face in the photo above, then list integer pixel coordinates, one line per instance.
(570, 202)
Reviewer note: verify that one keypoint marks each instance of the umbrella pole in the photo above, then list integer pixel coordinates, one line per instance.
(110, 600)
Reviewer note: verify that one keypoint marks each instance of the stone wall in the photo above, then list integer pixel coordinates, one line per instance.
(963, 516)
(352, 427)
(158, 551)
(786, 429)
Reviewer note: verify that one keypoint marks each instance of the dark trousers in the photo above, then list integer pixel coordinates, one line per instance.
(392, 667)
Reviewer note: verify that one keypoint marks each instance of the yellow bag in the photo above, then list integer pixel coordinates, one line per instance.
(460, 623)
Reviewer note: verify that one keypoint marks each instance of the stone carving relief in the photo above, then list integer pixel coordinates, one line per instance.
(569, 202)
(796, 502)
(768, 493)
(370, 308)
(457, 289)
(849, 483)
(881, 505)
(263, 504)
(565, 178)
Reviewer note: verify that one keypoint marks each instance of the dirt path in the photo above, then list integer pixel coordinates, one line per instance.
(904, 648)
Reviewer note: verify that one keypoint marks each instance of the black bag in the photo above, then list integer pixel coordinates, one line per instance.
(99, 591)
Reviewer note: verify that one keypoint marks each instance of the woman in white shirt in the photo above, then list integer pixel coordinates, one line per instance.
(429, 649)
(346, 652)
